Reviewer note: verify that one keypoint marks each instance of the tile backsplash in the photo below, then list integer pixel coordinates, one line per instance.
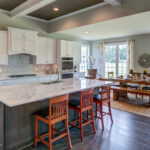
(23, 64)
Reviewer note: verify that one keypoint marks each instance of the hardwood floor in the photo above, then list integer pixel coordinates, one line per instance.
(128, 132)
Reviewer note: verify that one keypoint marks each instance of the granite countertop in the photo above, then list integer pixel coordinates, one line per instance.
(15, 95)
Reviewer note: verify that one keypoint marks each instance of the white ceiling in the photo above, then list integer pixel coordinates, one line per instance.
(125, 26)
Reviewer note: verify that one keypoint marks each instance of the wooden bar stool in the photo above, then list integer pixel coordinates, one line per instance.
(101, 99)
(84, 104)
(58, 111)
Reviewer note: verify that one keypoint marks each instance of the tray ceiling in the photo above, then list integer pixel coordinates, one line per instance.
(65, 7)
(10, 4)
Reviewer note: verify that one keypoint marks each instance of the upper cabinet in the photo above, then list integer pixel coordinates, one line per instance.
(3, 48)
(21, 41)
(77, 51)
(65, 48)
(46, 50)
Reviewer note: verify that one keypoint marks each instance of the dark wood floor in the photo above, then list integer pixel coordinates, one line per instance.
(128, 132)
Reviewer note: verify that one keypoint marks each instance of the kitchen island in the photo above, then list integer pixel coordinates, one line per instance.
(18, 103)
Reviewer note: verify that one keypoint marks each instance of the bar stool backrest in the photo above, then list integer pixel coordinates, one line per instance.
(105, 93)
(86, 100)
(58, 108)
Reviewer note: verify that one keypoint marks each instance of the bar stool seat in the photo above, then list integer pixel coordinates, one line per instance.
(58, 111)
(75, 103)
(99, 98)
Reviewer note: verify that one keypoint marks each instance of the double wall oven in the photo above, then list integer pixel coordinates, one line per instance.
(67, 67)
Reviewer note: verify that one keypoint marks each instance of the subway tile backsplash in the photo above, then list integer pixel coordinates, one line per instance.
(23, 64)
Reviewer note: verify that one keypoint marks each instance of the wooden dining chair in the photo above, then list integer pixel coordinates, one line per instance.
(89, 77)
(58, 111)
(110, 75)
(84, 104)
(102, 99)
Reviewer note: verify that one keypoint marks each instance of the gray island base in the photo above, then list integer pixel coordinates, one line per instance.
(19, 103)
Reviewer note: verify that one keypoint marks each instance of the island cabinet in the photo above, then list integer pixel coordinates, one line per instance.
(3, 48)
(1, 126)
(46, 50)
(21, 41)
(65, 48)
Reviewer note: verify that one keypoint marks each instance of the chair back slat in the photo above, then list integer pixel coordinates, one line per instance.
(58, 107)
(105, 92)
(86, 98)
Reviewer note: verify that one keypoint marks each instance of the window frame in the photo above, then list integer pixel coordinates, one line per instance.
(117, 57)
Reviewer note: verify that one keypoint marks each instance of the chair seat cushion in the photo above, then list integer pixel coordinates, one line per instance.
(97, 97)
(75, 102)
(43, 113)
(146, 88)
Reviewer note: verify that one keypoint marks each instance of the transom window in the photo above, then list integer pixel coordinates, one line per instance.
(116, 59)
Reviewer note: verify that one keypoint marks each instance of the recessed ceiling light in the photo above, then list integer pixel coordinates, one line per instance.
(55, 9)
(86, 32)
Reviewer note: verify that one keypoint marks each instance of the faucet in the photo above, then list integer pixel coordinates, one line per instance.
(58, 78)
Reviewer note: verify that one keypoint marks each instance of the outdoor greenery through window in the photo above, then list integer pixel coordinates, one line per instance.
(116, 59)
(84, 58)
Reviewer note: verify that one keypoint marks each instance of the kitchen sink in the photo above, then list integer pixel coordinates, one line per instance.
(51, 82)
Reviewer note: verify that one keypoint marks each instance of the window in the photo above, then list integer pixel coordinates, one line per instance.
(84, 58)
(116, 59)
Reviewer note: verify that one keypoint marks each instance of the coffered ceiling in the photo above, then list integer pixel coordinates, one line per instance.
(64, 6)
(10, 4)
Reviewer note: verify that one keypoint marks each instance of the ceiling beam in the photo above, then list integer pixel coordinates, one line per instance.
(113, 2)
(29, 6)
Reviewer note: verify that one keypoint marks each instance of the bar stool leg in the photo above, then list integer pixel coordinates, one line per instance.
(78, 117)
(35, 131)
(93, 124)
(52, 131)
(109, 106)
(96, 109)
(81, 128)
(50, 137)
(87, 114)
(102, 117)
(68, 135)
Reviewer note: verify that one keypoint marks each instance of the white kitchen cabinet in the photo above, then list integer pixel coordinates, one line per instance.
(77, 51)
(70, 48)
(3, 48)
(50, 51)
(46, 50)
(21, 41)
(66, 48)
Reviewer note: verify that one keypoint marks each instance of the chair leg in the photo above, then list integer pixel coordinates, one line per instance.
(52, 131)
(109, 105)
(68, 135)
(102, 117)
(96, 109)
(93, 124)
(50, 137)
(81, 128)
(87, 114)
(35, 131)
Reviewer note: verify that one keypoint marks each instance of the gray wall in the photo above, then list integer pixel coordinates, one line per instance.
(142, 45)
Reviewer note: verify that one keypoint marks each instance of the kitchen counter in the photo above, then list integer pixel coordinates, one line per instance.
(15, 95)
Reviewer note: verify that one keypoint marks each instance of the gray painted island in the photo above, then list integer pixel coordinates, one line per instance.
(18, 103)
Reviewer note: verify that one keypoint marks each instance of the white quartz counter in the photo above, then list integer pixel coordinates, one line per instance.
(14, 95)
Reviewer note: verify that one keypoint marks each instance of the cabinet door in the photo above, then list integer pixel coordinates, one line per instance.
(41, 51)
(17, 38)
(70, 49)
(29, 41)
(63, 48)
(50, 51)
(77, 52)
(3, 49)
